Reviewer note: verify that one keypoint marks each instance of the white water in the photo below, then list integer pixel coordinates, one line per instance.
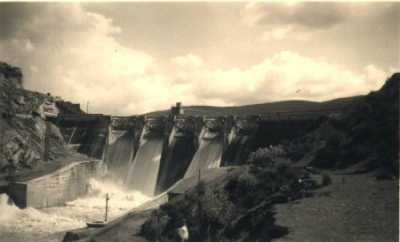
(49, 225)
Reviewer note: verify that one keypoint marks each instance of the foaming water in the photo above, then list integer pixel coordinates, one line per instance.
(49, 224)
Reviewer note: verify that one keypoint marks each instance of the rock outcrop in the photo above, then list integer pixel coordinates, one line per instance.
(23, 133)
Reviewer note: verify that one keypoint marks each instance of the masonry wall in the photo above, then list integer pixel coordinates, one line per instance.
(55, 189)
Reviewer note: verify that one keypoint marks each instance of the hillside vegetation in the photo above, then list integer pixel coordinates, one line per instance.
(240, 206)
(266, 108)
(366, 135)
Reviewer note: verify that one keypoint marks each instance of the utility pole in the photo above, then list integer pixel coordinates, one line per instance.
(87, 107)
(106, 215)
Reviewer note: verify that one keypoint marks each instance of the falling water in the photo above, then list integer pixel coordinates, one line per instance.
(120, 152)
(208, 155)
(50, 224)
(143, 171)
(180, 153)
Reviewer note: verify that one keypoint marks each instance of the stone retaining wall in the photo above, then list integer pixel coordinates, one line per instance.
(56, 188)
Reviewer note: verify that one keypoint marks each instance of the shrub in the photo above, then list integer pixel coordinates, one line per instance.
(267, 156)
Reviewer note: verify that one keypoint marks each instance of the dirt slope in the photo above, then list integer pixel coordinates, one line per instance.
(362, 209)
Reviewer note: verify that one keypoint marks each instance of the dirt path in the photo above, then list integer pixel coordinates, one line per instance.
(360, 209)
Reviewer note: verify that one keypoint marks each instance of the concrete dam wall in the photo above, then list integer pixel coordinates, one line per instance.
(241, 141)
(211, 145)
(182, 144)
(152, 153)
(56, 188)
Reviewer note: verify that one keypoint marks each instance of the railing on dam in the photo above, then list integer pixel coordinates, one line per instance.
(88, 119)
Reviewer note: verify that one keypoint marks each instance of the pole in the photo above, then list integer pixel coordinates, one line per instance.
(106, 215)
(46, 141)
(87, 107)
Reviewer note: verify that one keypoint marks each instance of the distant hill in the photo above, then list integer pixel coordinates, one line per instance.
(265, 108)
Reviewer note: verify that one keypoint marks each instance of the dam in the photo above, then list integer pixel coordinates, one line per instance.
(134, 159)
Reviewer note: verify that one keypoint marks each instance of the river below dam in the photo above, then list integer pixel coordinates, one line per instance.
(50, 224)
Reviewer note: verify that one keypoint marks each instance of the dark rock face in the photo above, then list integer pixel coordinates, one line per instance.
(10, 75)
(22, 133)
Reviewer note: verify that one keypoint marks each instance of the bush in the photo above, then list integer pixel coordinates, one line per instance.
(267, 156)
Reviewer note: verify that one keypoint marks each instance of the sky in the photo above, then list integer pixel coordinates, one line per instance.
(128, 58)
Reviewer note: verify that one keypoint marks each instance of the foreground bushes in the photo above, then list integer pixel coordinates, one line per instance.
(237, 208)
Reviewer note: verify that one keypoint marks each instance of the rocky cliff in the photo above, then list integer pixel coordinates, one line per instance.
(22, 131)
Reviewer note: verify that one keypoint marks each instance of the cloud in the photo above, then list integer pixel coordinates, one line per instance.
(190, 60)
(74, 53)
(312, 15)
(285, 75)
(298, 19)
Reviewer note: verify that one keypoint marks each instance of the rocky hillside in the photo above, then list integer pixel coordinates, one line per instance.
(22, 132)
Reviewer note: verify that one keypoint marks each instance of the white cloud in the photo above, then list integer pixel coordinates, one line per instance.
(375, 76)
(286, 32)
(73, 53)
(79, 59)
(190, 60)
(285, 75)
(298, 20)
(311, 15)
